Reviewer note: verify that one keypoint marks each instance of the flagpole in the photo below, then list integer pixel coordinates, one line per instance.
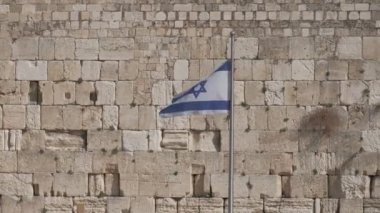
(231, 150)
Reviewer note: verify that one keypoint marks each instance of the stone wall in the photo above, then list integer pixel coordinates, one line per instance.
(82, 82)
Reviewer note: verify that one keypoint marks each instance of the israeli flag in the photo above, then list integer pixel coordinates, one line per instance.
(208, 96)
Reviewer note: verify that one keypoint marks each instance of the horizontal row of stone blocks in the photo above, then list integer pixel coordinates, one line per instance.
(246, 48)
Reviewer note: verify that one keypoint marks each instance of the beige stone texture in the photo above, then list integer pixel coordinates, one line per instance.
(19, 50)
(7, 70)
(14, 116)
(64, 48)
(31, 70)
(371, 48)
(349, 48)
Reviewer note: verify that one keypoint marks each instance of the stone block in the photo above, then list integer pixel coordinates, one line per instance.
(72, 117)
(16, 184)
(375, 187)
(166, 205)
(91, 70)
(117, 162)
(245, 48)
(349, 48)
(254, 93)
(8, 161)
(85, 93)
(112, 184)
(19, 50)
(46, 91)
(370, 140)
(110, 117)
(290, 92)
(128, 70)
(264, 186)
(329, 205)
(128, 117)
(261, 70)
(374, 92)
(175, 139)
(276, 117)
(337, 70)
(243, 70)
(268, 163)
(241, 205)
(188, 205)
(46, 48)
(281, 70)
(116, 49)
(96, 184)
(31, 70)
(358, 117)
(19, 205)
(90, 204)
(160, 163)
(147, 117)
(135, 140)
(64, 93)
(118, 204)
(105, 92)
(57, 141)
(219, 181)
(43, 162)
(371, 205)
(329, 92)
(307, 92)
(205, 141)
(350, 187)
(301, 48)
(129, 184)
(289, 205)
(350, 205)
(104, 140)
(14, 116)
(7, 70)
(371, 47)
(363, 69)
(162, 93)
(64, 48)
(55, 71)
(92, 117)
(124, 92)
(354, 92)
(143, 204)
(313, 163)
(275, 141)
(325, 47)
(60, 204)
(86, 49)
(52, 117)
(33, 140)
(181, 70)
(43, 184)
(72, 70)
(211, 205)
(274, 92)
(306, 186)
(109, 71)
(274, 48)
(302, 70)
(6, 46)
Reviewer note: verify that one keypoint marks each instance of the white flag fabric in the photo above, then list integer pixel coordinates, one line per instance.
(208, 96)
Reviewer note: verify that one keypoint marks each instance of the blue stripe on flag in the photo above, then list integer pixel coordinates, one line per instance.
(196, 105)
(226, 66)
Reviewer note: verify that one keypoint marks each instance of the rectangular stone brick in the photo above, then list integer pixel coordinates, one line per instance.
(46, 48)
(349, 48)
(70, 184)
(64, 48)
(105, 92)
(20, 52)
(301, 48)
(6, 46)
(305, 186)
(104, 140)
(51, 117)
(86, 49)
(16, 184)
(275, 48)
(7, 70)
(116, 49)
(14, 116)
(42, 162)
(371, 48)
(31, 70)
(350, 187)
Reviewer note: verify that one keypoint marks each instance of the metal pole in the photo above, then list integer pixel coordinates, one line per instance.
(231, 151)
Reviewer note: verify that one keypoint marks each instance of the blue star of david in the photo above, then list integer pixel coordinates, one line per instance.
(199, 88)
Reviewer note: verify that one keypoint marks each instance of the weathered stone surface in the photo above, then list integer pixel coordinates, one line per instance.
(92, 118)
(104, 140)
(349, 48)
(70, 184)
(60, 204)
(20, 205)
(91, 70)
(64, 93)
(51, 117)
(64, 48)
(90, 204)
(329, 205)
(175, 139)
(143, 204)
(8, 161)
(19, 50)
(371, 48)
(306, 186)
(350, 187)
(204, 141)
(6, 46)
(350, 205)
(354, 92)
(124, 92)
(303, 70)
(301, 48)
(291, 205)
(371, 205)
(16, 184)
(135, 140)
(243, 205)
(276, 48)
(31, 70)
(181, 70)
(109, 70)
(118, 204)
(96, 184)
(116, 49)
(43, 162)
(7, 70)
(65, 141)
(166, 205)
(245, 48)
(86, 49)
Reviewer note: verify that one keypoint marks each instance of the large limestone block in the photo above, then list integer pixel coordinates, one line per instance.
(175, 139)
(242, 205)
(86, 49)
(371, 205)
(116, 48)
(46, 48)
(254, 93)
(159, 163)
(7, 70)
(264, 186)
(120, 162)
(349, 48)
(51, 117)
(245, 48)
(337, 70)
(92, 118)
(329, 205)
(103, 140)
(143, 204)
(303, 70)
(90, 204)
(43, 184)
(14, 116)
(31, 70)
(105, 92)
(205, 141)
(329, 92)
(358, 117)
(350, 205)
(33, 140)
(70, 184)
(371, 48)
(64, 93)
(16, 184)
(128, 70)
(181, 70)
(110, 117)
(65, 141)
(276, 141)
(220, 181)
(85, 93)
(268, 163)
(59, 204)
(188, 205)
(96, 184)
(274, 93)
(371, 142)
(306, 186)
(109, 71)
(6, 47)
(118, 204)
(307, 92)
(8, 161)
(64, 48)
(211, 205)
(42, 162)
(91, 70)
(147, 117)
(350, 187)
(374, 93)
(124, 93)
(128, 117)
(307, 163)
(166, 205)
(354, 92)
(301, 48)
(72, 117)
(135, 140)
(292, 205)
(33, 116)
(25, 48)
(274, 48)
(21, 205)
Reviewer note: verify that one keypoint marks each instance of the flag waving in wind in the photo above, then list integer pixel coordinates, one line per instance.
(209, 96)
